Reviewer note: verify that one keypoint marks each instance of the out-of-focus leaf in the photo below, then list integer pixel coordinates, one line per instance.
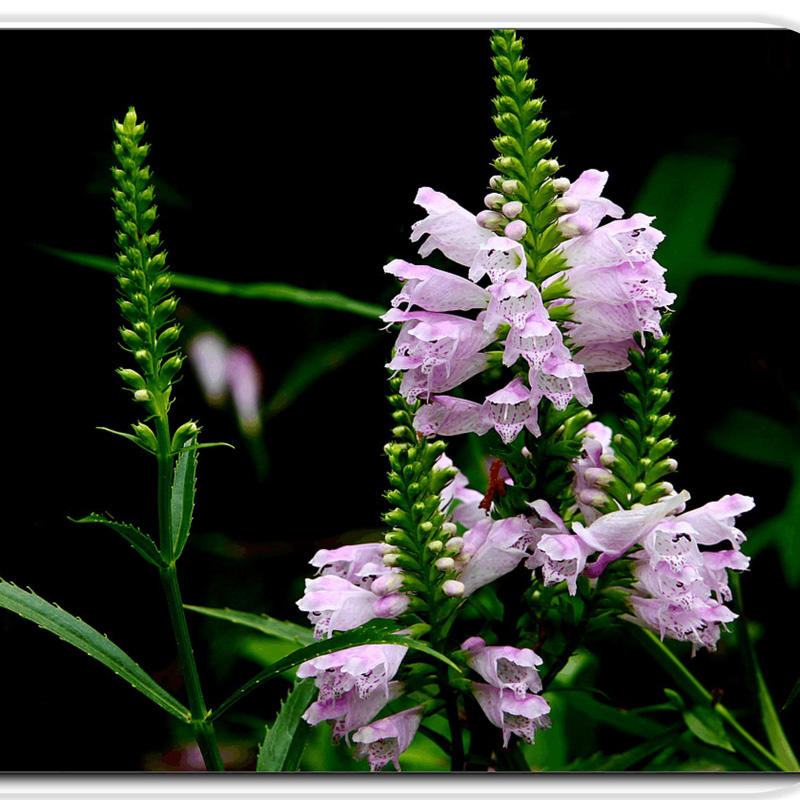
(600, 762)
(77, 633)
(707, 727)
(276, 292)
(285, 740)
(378, 631)
(755, 437)
(311, 366)
(792, 696)
(261, 622)
(604, 714)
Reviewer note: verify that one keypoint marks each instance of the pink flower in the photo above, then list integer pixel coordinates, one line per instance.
(591, 474)
(450, 416)
(462, 503)
(244, 379)
(335, 604)
(385, 739)
(513, 408)
(359, 564)
(434, 289)
(562, 558)
(504, 667)
(208, 353)
(586, 190)
(456, 232)
(520, 716)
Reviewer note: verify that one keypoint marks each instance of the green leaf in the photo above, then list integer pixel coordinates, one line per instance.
(129, 436)
(77, 633)
(600, 762)
(182, 498)
(675, 699)
(261, 622)
(379, 631)
(792, 696)
(285, 741)
(311, 366)
(590, 708)
(755, 437)
(140, 541)
(707, 727)
(276, 292)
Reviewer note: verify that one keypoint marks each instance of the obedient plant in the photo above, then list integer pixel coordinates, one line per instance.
(457, 625)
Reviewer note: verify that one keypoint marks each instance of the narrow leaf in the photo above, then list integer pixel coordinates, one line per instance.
(792, 696)
(285, 741)
(707, 727)
(619, 762)
(380, 631)
(77, 633)
(288, 631)
(139, 540)
(129, 436)
(277, 292)
(182, 498)
(590, 708)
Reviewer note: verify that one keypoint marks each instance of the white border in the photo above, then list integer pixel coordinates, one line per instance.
(681, 14)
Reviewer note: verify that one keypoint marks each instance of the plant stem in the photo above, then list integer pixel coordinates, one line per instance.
(769, 716)
(203, 729)
(451, 704)
(747, 745)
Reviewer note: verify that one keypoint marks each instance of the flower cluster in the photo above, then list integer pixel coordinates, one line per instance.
(617, 286)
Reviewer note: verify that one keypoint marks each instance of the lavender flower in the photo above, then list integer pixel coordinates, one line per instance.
(385, 739)
(359, 564)
(434, 289)
(335, 604)
(244, 379)
(520, 716)
(504, 667)
(590, 471)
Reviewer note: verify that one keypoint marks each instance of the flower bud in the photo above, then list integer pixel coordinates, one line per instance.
(453, 588)
(494, 201)
(598, 475)
(515, 230)
(473, 641)
(496, 181)
(510, 187)
(141, 395)
(435, 546)
(444, 564)
(183, 434)
(387, 584)
(550, 166)
(607, 459)
(454, 545)
(491, 220)
(132, 378)
(593, 497)
(426, 527)
(390, 606)
(561, 185)
(449, 529)
(566, 205)
(639, 487)
(145, 435)
(389, 559)
(672, 464)
(512, 209)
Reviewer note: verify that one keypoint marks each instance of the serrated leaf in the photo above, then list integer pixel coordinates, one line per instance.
(707, 727)
(77, 633)
(379, 631)
(288, 631)
(182, 497)
(139, 540)
(285, 741)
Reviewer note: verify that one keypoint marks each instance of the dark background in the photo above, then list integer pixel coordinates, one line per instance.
(294, 156)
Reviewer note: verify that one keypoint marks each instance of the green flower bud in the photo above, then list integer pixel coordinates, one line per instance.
(145, 435)
(132, 378)
(141, 395)
(184, 433)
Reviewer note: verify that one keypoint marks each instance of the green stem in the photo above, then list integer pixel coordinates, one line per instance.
(748, 746)
(203, 729)
(769, 716)
(451, 704)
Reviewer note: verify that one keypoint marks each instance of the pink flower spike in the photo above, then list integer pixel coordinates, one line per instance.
(522, 717)
(434, 289)
(334, 604)
(385, 739)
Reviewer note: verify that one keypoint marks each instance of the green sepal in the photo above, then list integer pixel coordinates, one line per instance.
(286, 739)
(76, 632)
(136, 538)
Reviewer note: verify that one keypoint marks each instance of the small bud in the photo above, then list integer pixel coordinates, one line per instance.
(598, 475)
(145, 435)
(672, 464)
(512, 209)
(593, 497)
(142, 356)
(399, 431)
(667, 487)
(566, 205)
(183, 434)
(607, 459)
(390, 606)
(639, 487)
(453, 588)
(387, 584)
(491, 220)
(389, 559)
(445, 564)
(435, 546)
(569, 230)
(510, 187)
(515, 230)
(426, 527)
(454, 545)
(550, 166)
(494, 201)
(496, 181)
(561, 185)
(132, 378)
(141, 395)
(449, 529)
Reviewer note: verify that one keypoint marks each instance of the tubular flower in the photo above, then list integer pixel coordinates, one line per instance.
(504, 667)
(520, 716)
(335, 604)
(385, 739)
(434, 289)
(591, 473)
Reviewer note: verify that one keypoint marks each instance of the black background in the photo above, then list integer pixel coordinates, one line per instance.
(298, 154)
